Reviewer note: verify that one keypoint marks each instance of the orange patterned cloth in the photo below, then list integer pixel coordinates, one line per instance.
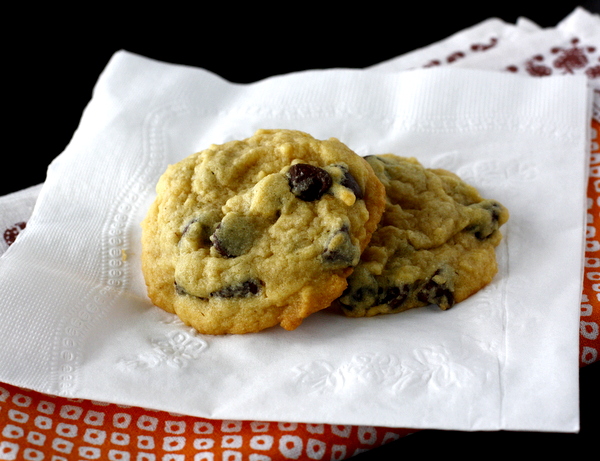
(35, 426)
(589, 340)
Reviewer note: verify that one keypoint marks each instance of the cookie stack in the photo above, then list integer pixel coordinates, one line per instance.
(265, 231)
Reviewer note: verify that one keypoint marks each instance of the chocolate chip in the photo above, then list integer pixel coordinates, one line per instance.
(340, 251)
(351, 297)
(235, 235)
(488, 222)
(361, 291)
(179, 289)
(350, 182)
(198, 231)
(219, 245)
(366, 293)
(308, 182)
(241, 290)
(395, 296)
(433, 292)
(182, 292)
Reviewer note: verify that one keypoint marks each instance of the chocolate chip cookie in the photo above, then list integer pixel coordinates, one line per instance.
(435, 243)
(260, 232)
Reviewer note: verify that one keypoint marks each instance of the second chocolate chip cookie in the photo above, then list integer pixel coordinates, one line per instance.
(435, 243)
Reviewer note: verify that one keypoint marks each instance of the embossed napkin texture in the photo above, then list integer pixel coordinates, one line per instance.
(76, 322)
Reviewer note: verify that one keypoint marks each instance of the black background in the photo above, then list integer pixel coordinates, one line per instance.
(53, 56)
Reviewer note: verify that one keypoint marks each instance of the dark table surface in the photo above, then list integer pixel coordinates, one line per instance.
(53, 58)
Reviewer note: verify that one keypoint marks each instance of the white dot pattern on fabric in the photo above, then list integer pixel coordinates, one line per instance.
(34, 426)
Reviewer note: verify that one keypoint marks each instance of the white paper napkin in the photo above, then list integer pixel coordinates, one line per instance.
(75, 320)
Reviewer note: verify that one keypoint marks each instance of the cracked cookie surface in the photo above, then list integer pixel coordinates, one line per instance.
(259, 232)
(435, 243)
